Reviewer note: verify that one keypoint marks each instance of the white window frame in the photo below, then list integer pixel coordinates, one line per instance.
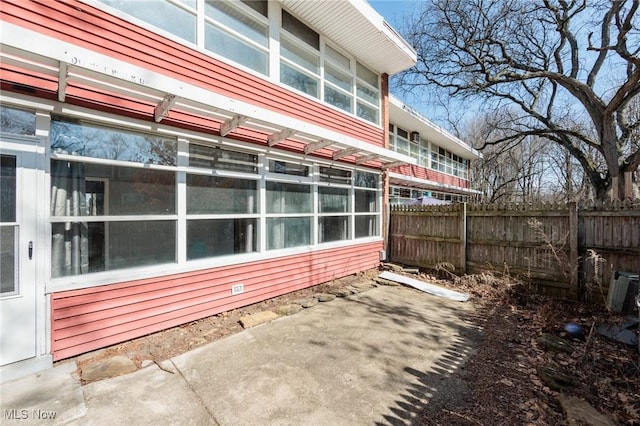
(184, 137)
(274, 34)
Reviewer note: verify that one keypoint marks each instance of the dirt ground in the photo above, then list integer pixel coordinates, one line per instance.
(505, 379)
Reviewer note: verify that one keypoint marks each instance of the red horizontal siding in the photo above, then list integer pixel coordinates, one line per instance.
(86, 26)
(92, 318)
(433, 175)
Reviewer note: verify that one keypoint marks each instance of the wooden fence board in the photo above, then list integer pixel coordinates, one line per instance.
(550, 247)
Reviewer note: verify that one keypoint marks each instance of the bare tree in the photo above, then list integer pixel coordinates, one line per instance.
(560, 62)
(511, 171)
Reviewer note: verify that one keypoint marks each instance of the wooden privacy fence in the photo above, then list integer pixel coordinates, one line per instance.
(560, 250)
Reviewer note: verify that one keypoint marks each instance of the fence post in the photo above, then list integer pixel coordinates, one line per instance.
(573, 251)
(463, 238)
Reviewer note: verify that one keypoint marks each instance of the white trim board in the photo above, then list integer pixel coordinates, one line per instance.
(27, 45)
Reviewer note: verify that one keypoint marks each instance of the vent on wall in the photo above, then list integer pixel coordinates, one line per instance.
(237, 289)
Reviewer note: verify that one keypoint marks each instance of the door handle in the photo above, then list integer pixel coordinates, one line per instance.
(30, 250)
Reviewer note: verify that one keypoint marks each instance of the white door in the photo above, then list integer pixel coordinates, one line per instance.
(17, 252)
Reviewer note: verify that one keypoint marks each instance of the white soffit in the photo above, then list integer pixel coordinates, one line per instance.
(36, 51)
(358, 28)
(404, 117)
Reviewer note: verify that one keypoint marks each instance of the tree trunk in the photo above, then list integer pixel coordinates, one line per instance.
(609, 144)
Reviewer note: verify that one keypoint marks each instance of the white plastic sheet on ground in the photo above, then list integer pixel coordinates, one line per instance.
(426, 287)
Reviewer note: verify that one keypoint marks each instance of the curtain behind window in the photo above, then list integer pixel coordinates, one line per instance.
(69, 241)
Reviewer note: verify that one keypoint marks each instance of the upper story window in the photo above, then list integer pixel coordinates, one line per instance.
(299, 56)
(240, 31)
(447, 162)
(437, 158)
(174, 16)
(368, 94)
(399, 141)
(239, 34)
(338, 78)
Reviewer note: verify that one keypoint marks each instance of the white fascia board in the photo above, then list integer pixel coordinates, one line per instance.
(357, 27)
(417, 181)
(411, 120)
(385, 29)
(79, 57)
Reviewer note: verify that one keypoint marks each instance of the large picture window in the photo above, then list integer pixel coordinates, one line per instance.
(119, 201)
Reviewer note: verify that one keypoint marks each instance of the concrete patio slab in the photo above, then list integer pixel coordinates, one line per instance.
(376, 357)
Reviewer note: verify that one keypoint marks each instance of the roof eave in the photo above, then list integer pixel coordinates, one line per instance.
(358, 28)
(411, 120)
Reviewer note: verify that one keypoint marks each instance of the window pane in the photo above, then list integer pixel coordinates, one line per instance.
(367, 226)
(87, 140)
(333, 228)
(329, 174)
(298, 80)
(141, 243)
(339, 78)
(366, 75)
(402, 145)
(366, 112)
(367, 94)
(8, 188)
(232, 48)
(337, 58)
(17, 121)
(288, 232)
(161, 14)
(337, 99)
(79, 248)
(126, 190)
(260, 6)
(366, 201)
(220, 237)
(209, 194)
(366, 180)
(286, 168)
(224, 13)
(299, 56)
(300, 30)
(209, 157)
(8, 233)
(424, 156)
(333, 200)
(288, 198)
(8, 282)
